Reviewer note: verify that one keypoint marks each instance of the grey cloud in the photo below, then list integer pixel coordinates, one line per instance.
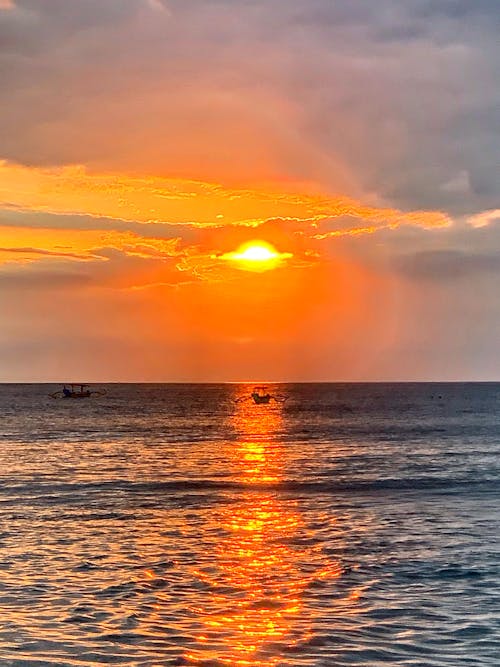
(460, 9)
(35, 279)
(33, 25)
(108, 268)
(42, 220)
(48, 253)
(392, 98)
(446, 264)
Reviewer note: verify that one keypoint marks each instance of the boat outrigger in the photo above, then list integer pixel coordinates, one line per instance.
(261, 396)
(76, 391)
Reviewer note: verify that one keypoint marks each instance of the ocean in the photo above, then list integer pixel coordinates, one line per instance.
(174, 524)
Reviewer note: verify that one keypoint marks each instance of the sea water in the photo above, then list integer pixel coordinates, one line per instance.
(185, 525)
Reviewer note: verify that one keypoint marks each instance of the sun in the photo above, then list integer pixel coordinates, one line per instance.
(256, 256)
(256, 252)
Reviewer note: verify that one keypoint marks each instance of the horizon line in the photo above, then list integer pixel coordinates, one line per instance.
(247, 382)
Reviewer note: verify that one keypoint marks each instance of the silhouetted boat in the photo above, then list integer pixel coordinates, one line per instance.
(74, 390)
(261, 396)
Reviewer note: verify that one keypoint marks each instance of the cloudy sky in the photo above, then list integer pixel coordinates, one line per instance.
(143, 141)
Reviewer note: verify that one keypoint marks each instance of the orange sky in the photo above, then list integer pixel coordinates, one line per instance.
(171, 280)
(147, 141)
(127, 277)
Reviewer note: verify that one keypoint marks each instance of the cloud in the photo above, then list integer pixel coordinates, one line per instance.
(75, 190)
(74, 213)
(109, 269)
(362, 137)
(484, 218)
(45, 253)
(385, 100)
(459, 183)
(158, 6)
(21, 219)
(446, 265)
(39, 281)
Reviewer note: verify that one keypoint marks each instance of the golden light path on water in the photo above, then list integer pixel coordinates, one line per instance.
(256, 587)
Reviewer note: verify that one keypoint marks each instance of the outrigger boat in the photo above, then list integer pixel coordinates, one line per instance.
(76, 391)
(261, 396)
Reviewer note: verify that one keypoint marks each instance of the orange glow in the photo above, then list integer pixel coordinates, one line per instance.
(145, 198)
(22, 244)
(203, 287)
(257, 585)
(256, 256)
(255, 560)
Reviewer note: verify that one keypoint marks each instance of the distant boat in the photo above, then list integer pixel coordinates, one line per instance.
(76, 391)
(261, 396)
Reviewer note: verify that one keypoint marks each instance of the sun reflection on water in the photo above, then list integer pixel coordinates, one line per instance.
(255, 590)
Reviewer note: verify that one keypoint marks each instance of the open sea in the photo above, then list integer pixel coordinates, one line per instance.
(353, 524)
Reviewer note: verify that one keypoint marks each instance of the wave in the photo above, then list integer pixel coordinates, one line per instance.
(54, 492)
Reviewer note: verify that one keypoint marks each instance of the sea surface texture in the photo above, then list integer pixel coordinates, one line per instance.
(175, 525)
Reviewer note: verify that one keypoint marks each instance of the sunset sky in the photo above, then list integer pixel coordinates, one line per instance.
(143, 143)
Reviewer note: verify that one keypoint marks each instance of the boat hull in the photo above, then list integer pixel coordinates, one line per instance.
(261, 399)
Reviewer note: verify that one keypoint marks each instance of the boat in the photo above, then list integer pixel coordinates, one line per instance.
(260, 395)
(76, 390)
